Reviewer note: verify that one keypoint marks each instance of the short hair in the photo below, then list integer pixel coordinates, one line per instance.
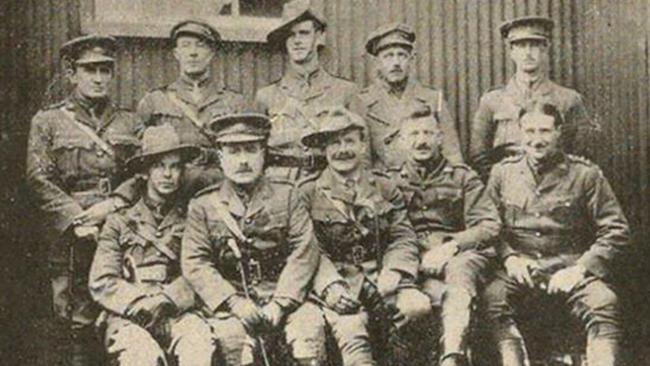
(544, 108)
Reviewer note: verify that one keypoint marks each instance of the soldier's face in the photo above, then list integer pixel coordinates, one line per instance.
(344, 151)
(165, 175)
(93, 80)
(421, 139)
(193, 54)
(540, 136)
(529, 55)
(394, 63)
(303, 41)
(242, 162)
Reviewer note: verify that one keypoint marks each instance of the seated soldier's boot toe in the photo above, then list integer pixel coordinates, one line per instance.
(454, 359)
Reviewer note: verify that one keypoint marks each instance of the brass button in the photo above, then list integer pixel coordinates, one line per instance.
(100, 153)
(248, 221)
(159, 234)
(537, 214)
(538, 234)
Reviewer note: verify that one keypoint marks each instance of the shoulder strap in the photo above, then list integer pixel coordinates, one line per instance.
(189, 113)
(92, 134)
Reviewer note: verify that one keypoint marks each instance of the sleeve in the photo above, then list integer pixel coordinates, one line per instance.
(106, 281)
(180, 293)
(402, 253)
(295, 280)
(584, 131)
(612, 230)
(481, 136)
(482, 220)
(451, 144)
(197, 260)
(58, 207)
(493, 193)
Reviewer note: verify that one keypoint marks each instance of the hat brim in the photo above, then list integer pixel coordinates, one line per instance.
(528, 37)
(278, 36)
(257, 119)
(140, 162)
(321, 138)
(95, 60)
(373, 50)
(242, 137)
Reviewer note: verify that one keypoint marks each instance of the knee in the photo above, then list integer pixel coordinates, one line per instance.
(133, 345)
(494, 300)
(413, 304)
(195, 342)
(305, 332)
(457, 298)
(350, 329)
(598, 304)
(230, 336)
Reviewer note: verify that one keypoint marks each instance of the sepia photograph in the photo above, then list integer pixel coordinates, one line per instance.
(325, 182)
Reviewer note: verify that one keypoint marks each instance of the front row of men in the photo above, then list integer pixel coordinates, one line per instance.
(349, 250)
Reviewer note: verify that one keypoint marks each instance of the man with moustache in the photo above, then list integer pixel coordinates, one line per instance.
(249, 249)
(361, 222)
(75, 155)
(384, 102)
(188, 104)
(563, 231)
(136, 274)
(455, 223)
(495, 132)
(305, 90)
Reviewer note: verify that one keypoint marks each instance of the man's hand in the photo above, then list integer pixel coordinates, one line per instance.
(148, 311)
(96, 214)
(520, 269)
(387, 282)
(247, 311)
(273, 313)
(86, 232)
(565, 280)
(339, 299)
(435, 260)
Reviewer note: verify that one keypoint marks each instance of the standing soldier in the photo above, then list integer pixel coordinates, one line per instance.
(75, 155)
(384, 102)
(453, 221)
(249, 249)
(361, 222)
(563, 230)
(304, 91)
(188, 104)
(495, 131)
(136, 273)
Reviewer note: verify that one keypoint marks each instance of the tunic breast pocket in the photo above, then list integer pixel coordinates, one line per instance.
(68, 153)
(446, 202)
(511, 211)
(563, 209)
(218, 232)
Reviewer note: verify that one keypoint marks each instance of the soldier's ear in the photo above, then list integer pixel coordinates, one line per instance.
(320, 38)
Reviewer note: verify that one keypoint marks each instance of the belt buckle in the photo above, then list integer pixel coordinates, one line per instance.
(104, 186)
(358, 254)
(254, 271)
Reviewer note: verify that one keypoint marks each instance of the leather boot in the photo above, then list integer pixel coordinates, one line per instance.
(454, 359)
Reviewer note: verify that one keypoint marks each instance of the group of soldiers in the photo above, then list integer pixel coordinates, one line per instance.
(323, 223)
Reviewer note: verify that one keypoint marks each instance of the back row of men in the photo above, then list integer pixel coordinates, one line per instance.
(233, 232)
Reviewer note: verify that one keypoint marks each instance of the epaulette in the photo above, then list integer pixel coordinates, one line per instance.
(579, 159)
(208, 189)
(365, 90)
(495, 87)
(380, 173)
(56, 105)
(459, 166)
(161, 88)
(278, 180)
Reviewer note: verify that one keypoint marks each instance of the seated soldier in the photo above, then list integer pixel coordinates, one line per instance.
(249, 249)
(453, 220)
(362, 225)
(136, 275)
(562, 230)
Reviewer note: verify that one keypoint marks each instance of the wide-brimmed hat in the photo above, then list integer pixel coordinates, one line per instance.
(195, 28)
(393, 34)
(240, 127)
(294, 12)
(89, 49)
(157, 141)
(528, 27)
(332, 123)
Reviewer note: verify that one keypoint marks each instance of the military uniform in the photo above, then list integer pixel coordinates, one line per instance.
(138, 256)
(383, 107)
(565, 216)
(446, 202)
(256, 245)
(188, 105)
(495, 131)
(294, 102)
(69, 171)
